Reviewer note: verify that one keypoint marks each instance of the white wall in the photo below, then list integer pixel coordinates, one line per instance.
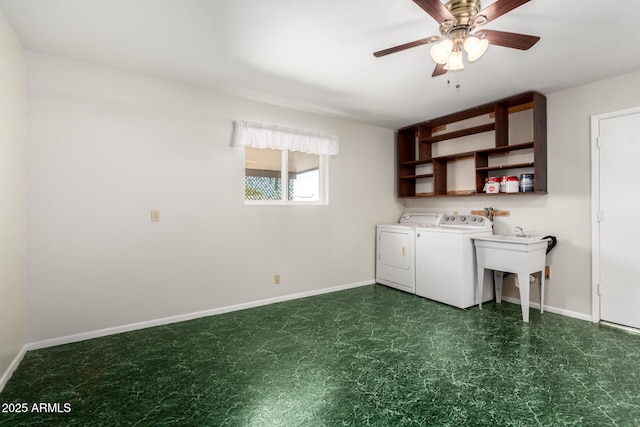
(105, 147)
(566, 211)
(13, 314)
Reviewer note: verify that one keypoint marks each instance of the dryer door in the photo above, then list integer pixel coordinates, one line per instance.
(395, 249)
(394, 263)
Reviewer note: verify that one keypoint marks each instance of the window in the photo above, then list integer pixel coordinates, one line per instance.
(284, 166)
(266, 170)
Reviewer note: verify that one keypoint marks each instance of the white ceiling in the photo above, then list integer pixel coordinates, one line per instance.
(316, 55)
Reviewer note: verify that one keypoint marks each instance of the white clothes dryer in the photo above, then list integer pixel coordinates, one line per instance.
(446, 262)
(395, 250)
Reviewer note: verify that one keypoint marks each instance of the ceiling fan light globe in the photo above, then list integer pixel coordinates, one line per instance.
(469, 43)
(440, 52)
(454, 62)
(475, 47)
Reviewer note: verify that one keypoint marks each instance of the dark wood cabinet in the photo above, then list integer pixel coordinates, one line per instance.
(416, 144)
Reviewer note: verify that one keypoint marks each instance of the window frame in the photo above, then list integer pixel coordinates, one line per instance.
(323, 182)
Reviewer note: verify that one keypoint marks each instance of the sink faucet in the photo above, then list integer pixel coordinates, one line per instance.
(518, 231)
(488, 212)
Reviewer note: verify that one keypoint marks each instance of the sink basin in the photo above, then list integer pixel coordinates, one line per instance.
(514, 239)
(511, 243)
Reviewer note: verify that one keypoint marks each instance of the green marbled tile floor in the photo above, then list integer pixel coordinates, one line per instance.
(365, 356)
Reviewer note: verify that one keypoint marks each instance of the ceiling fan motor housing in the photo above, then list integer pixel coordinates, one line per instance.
(463, 11)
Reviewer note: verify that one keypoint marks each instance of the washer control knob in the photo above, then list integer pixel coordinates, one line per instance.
(480, 219)
(473, 219)
(463, 218)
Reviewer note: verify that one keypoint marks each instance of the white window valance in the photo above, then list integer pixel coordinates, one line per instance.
(257, 135)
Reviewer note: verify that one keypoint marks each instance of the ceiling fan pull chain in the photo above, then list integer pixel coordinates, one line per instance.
(458, 86)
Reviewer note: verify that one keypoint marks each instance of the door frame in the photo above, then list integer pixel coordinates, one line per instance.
(595, 205)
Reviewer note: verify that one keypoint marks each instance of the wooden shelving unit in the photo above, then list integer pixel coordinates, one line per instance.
(415, 147)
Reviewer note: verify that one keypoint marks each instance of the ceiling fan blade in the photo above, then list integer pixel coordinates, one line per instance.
(499, 8)
(436, 9)
(439, 70)
(506, 39)
(406, 46)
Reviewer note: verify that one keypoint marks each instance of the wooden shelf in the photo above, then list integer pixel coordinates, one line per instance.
(457, 156)
(506, 149)
(416, 162)
(460, 133)
(459, 193)
(415, 148)
(503, 167)
(421, 176)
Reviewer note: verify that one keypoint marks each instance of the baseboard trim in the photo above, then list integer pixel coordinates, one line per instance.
(621, 327)
(551, 309)
(12, 367)
(188, 316)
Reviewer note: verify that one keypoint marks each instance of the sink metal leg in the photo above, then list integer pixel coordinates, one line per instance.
(523, 282)
(541, 281)
(497, 279)
(480, 285)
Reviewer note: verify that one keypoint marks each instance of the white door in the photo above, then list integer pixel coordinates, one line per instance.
(619, 230)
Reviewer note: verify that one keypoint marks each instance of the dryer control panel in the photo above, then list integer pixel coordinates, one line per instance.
(422, 220)
(465, 221)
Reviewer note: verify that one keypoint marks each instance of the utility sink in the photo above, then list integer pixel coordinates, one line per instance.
(520, 255)
(515, 239)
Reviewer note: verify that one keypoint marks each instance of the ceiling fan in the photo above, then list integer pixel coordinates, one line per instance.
(458, 19)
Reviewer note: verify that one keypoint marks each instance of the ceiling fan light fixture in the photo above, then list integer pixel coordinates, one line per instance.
(440, 52)
(455, 61)
(475, 47)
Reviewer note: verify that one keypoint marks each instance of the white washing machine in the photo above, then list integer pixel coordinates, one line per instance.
(446, 262)
(395, 249)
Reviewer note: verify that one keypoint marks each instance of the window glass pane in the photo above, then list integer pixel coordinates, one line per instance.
(304, 177)
(262, 174)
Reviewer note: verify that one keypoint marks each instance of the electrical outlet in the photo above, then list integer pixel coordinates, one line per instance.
(155, 215)
(547, 272)
(276, 279)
